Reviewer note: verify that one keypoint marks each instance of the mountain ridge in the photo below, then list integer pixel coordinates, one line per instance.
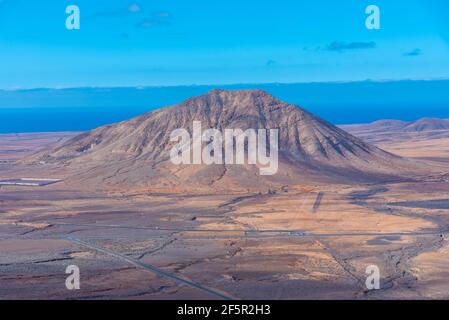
(422, 124)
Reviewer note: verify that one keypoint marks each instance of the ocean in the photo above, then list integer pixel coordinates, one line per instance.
(79, 109)
(18, 120)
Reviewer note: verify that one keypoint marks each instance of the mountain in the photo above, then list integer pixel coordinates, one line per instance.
(424, 124)
(136, 152)
(427, 124)
(388, 125)
(396, 130)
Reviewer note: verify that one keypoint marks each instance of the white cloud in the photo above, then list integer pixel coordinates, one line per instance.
(134, 8)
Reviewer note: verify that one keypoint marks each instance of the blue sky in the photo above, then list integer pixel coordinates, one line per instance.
(179, 42)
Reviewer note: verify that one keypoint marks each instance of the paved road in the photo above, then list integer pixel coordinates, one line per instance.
(251, 233)
(152, 268)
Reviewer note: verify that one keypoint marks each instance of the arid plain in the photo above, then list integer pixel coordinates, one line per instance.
(299, 240)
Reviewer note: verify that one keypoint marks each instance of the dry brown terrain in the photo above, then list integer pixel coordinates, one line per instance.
(306, 239)
(236, 245)
(426, 139)
(19, 145)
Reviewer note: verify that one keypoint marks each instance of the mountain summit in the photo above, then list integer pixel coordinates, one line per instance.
(136, 152)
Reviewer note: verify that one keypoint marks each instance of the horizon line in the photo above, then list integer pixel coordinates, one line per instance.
(141, 87)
